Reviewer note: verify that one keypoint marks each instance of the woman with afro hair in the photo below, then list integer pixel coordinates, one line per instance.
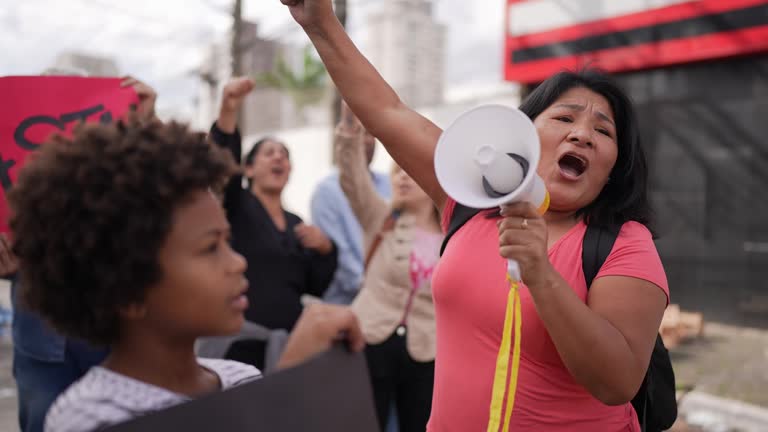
(123, 242)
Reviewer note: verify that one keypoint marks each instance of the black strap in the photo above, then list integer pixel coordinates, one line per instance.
(459, 217)
(598, 242)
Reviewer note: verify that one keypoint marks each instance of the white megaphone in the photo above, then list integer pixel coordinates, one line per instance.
(488, 158)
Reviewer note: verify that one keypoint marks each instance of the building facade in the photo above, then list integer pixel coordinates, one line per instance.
(407, 46)
(91, 65)
(698, 73)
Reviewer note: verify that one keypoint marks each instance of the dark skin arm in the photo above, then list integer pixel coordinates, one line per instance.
(618, 323)
(408, 136)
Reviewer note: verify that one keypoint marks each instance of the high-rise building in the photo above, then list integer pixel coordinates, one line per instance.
(407, 46)
(91, 65)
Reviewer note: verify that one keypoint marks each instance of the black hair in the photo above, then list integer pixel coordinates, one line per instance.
(251, 155)
(90, 214)
(625, 196)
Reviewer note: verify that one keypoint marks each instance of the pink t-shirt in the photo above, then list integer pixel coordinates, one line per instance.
(470, 294)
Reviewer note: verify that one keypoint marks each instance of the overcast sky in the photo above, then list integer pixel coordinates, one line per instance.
(162, 41)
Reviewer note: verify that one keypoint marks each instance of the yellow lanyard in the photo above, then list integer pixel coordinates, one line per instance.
(512, 318)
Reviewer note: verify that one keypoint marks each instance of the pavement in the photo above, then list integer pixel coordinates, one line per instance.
(727, 361)
(727, 368)
(708, 413)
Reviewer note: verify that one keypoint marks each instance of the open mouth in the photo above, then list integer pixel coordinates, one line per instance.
(278, 170)
(572, 165)
(240, 301)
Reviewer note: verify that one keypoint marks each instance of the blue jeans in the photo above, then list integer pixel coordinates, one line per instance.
(392, 420)
(44, 364)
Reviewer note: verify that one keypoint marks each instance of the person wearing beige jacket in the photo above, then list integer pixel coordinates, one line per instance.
(394, 306)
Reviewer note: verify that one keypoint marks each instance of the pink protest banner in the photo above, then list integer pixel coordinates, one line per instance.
(35, 107)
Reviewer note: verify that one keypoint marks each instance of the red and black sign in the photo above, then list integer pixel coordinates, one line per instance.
(681, 32)
(35, 107)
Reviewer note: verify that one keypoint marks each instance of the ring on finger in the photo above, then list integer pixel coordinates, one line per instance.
(524, 224)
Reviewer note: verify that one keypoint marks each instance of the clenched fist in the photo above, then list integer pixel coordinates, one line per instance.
(310, 13)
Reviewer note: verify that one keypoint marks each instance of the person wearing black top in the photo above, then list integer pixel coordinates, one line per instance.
(286, 258)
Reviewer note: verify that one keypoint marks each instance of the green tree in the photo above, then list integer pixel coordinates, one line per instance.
(305, 85)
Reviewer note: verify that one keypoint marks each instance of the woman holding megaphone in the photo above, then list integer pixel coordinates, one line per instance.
(585, 350)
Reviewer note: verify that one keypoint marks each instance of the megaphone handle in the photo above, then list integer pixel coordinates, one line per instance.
(513, 269)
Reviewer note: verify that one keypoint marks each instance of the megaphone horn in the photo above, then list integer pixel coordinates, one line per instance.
(488, 157)
(505, 181)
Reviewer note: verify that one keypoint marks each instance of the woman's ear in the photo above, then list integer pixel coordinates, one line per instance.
(248, 171)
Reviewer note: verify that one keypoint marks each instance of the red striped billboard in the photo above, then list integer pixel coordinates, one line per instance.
(545, 36)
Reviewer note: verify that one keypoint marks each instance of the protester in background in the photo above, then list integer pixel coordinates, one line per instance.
(286, 258)
(585, 350)
(395, 302)
(153, 269)
(45, 362)
(332, 214)
(8, 267)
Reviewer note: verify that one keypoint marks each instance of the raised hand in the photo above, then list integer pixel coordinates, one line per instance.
(234, 92)
(147, 97)
(310, 13)
(349, 126)
(8, 262)
(232, 98)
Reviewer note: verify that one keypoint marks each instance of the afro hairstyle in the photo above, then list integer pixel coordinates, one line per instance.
(90, 213)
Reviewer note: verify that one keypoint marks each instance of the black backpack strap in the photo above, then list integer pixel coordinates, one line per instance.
(657, 391)
(461, 214)
(598, 242)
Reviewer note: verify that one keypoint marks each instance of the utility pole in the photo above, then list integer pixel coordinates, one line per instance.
(340, 8)
(236, 50)
(237, 34)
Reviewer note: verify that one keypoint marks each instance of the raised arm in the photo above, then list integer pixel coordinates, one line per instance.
(225, 134)
(354, 177)
(408, 137)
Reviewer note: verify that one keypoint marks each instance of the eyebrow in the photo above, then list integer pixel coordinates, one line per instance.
(577, 107)
(216, 232)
